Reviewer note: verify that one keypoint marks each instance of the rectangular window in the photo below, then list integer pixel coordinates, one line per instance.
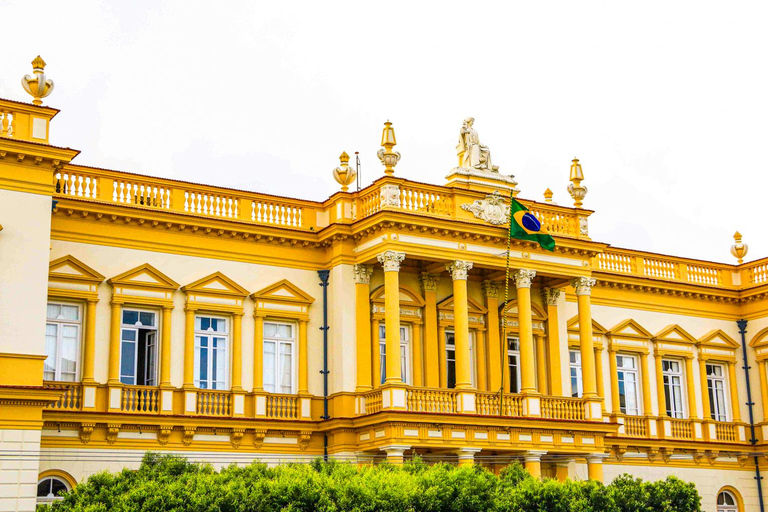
(279, 357)
(672, 372)
(513, 364)
(450, 358)
(62, 341)
(138, 347)
(716, 389)
(211, 352)
(405, 353)
(628, 389)
(575, 366)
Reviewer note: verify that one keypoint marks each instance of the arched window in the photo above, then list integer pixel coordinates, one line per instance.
(726, 502)
(49, 488)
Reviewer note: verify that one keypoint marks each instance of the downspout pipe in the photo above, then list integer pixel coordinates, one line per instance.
(742, 324)
(324, 274)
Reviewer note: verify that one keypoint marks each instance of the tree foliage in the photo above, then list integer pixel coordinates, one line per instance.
(167, 483)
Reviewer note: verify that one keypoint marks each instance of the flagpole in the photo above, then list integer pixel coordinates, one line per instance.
(504, 313)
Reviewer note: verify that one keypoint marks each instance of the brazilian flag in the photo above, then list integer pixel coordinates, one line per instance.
(524, 225)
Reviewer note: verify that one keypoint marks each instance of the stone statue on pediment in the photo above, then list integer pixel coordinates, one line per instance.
(472, 154)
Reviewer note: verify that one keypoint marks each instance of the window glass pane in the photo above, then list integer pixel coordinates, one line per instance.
(69, 346)
(130, 317)
(44, 488)
(49, 369)
(286, 364)
(383, 361)
(270, 365)
(147, 318)
(69, 312)
(285, 331)
(57, 486)
(129, 335)
(404, 363)
(203, 375)
(513, 373)
(219, 324)
(128, 363)
(382, 332)
(204, 323)
(53, 312)
(270, 330)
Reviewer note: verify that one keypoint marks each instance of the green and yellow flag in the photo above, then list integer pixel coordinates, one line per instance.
(523, 225)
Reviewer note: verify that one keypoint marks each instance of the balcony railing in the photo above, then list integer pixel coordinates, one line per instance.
(214, 403)
(71, 399)
(562, 408)
(284, 407)
(726, 432)
(681, 429)
(431, 400)
(635, 426)
(140, 400)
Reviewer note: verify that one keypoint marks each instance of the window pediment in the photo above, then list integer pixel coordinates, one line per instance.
(282, 299)
(70, 277)
(674, 340)
(629, 336)
(760, 344)
(716, 344)
(144, 285)
(216, 292)
(598, 331)
(476, 312)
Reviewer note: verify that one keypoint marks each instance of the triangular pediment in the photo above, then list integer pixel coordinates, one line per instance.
(68, 268)
(718, 338)
(760, 339)
(216, 284)
(283, 291)
(573, 325)
(629, 329)
(145, 276)
(474, 306)
(675, 333)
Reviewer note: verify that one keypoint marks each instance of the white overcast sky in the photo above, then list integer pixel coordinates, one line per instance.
(665, 103)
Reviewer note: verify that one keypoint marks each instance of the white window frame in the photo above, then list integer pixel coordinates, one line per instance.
(673, 383)
(155, 349)
(210, 334)
(516, 354)
(633, 387)
(279, 342)
(47, 500)
(575, 372)
(718, 411)
(727, 507)
(405, 352)
(452, 346)
(60, 323)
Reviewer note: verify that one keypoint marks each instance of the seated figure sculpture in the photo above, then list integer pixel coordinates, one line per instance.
(472, 154)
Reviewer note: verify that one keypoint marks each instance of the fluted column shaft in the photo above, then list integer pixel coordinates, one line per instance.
(459, 271)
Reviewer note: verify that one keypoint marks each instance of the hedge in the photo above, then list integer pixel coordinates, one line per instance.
(171, 483)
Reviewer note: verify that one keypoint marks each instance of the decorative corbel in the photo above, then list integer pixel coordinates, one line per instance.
(711, 456)
(236, 436)
(666, 454)
(652, 454)
(112, 430)
(698, 457)
(743, 458)
(619, 451)
(189, 435)
(86, 429)
(304, 440)
(163, 433)
(258, 437)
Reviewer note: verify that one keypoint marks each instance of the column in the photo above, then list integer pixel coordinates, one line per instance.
(561, 470)
(533, 460)
(523, 280)
(645, 375)
(395, 452)
(467, 456)
(363, 326)
(189, 347)
(735, 405)
(595, 467)
(418, 360)
(303, 358)
(165, 348)
(614, 370)
(237, 352)
(481, 361)
(599, 375)
(550, 297)
(441, 362)
(89, 349)
(583, 287)
(258, 352)
(375, 356)
(432, 354)
(459, 271)
(692, 413)
(391, 260)
(660, 384)
(495, 351)
(541, 367)
(114, 342)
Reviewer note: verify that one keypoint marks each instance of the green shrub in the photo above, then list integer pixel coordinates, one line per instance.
(167, 483)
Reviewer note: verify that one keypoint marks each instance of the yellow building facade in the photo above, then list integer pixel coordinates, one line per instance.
(140, 313)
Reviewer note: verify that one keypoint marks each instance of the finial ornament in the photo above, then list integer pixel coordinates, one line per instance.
(575, 189)
(344, 174)
(739, 249)
(37, 86)
(388, 157)
(548, 196)
(472, 154)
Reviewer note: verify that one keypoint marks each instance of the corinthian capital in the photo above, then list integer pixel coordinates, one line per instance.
(583, 285)
(523, 277)
(363, 274)
(459, 269)
(550, 296)
(391, 260)
(429, 281)
(490, 289)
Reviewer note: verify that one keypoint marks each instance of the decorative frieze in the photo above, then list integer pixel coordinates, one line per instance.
(523, 277)
(459, 269)
(391, 260)
(583, 285)
(363, 274)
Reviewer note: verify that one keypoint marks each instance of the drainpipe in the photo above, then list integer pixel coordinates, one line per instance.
(742, 324)
(323, 274)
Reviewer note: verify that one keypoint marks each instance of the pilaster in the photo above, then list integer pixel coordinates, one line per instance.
(432, 354)
(550, 297)
(363, 326)
(495, 351)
